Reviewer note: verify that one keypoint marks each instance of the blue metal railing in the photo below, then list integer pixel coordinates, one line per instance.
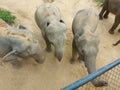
(92, 76)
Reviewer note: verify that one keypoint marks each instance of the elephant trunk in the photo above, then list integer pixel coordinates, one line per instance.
(39, 57)
(59, 51)
(90, 63)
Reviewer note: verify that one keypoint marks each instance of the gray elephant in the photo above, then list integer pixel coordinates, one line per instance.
(18, 43)
(112, 6)
(85, 42)
(53, 29)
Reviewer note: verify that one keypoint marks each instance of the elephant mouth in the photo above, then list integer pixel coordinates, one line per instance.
(81, 55)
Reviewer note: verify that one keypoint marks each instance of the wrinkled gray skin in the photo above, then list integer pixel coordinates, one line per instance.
(112, 6)
(18, 43)
(85, 42)
(53, 29)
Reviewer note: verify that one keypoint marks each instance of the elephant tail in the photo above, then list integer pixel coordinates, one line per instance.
(116, 43)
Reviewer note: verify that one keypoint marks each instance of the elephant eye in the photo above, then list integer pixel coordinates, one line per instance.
(48, 23)
(61, 21)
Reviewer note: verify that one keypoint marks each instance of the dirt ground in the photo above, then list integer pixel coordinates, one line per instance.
(54, 75)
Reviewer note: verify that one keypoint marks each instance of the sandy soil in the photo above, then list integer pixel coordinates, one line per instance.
(53, 75)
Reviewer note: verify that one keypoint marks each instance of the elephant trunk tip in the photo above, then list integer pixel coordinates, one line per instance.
(59, 52)
(100, 83)
(58, 57)
(40, 60)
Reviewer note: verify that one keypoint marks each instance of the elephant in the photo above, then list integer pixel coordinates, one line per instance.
(112, 6)
(52, 27)
(85, 43)
(18, 42)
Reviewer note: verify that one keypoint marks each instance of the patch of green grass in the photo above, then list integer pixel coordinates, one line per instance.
(101, 1)
(6, 16)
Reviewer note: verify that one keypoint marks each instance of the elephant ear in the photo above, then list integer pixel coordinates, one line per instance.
(80, 40)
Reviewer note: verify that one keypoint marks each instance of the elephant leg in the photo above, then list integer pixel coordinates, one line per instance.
(74, 52)
(81, 55)
(106, 14)
(119, 30)
(116, 43)
(48, 44)
(9, 57)
(116, 23)
(105, 8)
(13, 58)
(102, 12)
(91, 67)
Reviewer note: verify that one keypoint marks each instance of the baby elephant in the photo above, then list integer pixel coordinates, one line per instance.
(18, 43)
(112, 6)
(85, 42)
(53, 29)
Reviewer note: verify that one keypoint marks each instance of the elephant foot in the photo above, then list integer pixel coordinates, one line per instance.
(79, 59)
(111, 31)
(100, 84)
(16, 64)
(105, 17)
(48, 49)
(100, 18)
(119, 30)
(72, 61)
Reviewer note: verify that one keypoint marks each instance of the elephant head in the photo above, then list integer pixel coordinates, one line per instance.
(36, 52)
(88, 49)
(56, 34)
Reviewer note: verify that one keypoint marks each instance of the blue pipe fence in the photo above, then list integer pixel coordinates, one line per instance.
(96, 74)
